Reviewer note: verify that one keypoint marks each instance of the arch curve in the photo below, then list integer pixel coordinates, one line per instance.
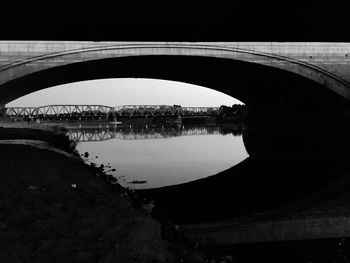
(68, 54)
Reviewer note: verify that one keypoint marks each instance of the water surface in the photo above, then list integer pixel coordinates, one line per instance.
(150, 157)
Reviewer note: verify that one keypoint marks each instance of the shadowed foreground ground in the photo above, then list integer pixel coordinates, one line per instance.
(54, 209)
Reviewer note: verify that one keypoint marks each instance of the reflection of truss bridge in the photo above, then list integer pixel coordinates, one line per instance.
(90, 135)
(84, 135)
(64, 112)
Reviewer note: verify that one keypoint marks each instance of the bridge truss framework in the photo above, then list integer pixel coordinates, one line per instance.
(106, 112)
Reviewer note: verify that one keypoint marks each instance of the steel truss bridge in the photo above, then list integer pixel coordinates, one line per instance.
(106, 112)
(96, 134)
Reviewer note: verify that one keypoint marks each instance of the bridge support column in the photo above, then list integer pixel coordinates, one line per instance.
(2, 111)
(327, 219)
(114, 116)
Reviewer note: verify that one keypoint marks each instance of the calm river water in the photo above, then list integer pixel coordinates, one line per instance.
(156, 156)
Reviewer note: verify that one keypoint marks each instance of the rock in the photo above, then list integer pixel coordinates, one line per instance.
(85, 257)
(3, 226)
(32, 187)
(148, 207)
(57, 205)
(227, 258)
(193, 258)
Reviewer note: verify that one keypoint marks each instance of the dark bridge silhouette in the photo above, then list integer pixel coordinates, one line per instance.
(298, 79)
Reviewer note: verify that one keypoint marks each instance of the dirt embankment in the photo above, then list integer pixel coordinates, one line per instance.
(55, 209)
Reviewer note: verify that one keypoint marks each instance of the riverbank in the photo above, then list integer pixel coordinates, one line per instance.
(55, 208)
(50, 203)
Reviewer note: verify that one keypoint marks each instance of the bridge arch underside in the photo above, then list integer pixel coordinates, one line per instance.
(263, 88)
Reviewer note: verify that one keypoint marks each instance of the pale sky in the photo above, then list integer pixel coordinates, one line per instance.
(127, 91)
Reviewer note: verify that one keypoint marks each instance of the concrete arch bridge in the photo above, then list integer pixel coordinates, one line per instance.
(28, 66)
(263, 75)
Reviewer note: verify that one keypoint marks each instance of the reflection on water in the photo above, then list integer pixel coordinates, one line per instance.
(156, 156)
(286, 170)
(85, 133)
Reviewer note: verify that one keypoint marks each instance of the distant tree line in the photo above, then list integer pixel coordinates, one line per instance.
(234, 110)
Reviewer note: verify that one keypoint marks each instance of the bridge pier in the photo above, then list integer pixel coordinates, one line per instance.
(326, 219)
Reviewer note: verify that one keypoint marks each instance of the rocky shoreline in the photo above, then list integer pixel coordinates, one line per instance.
(57, 209)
